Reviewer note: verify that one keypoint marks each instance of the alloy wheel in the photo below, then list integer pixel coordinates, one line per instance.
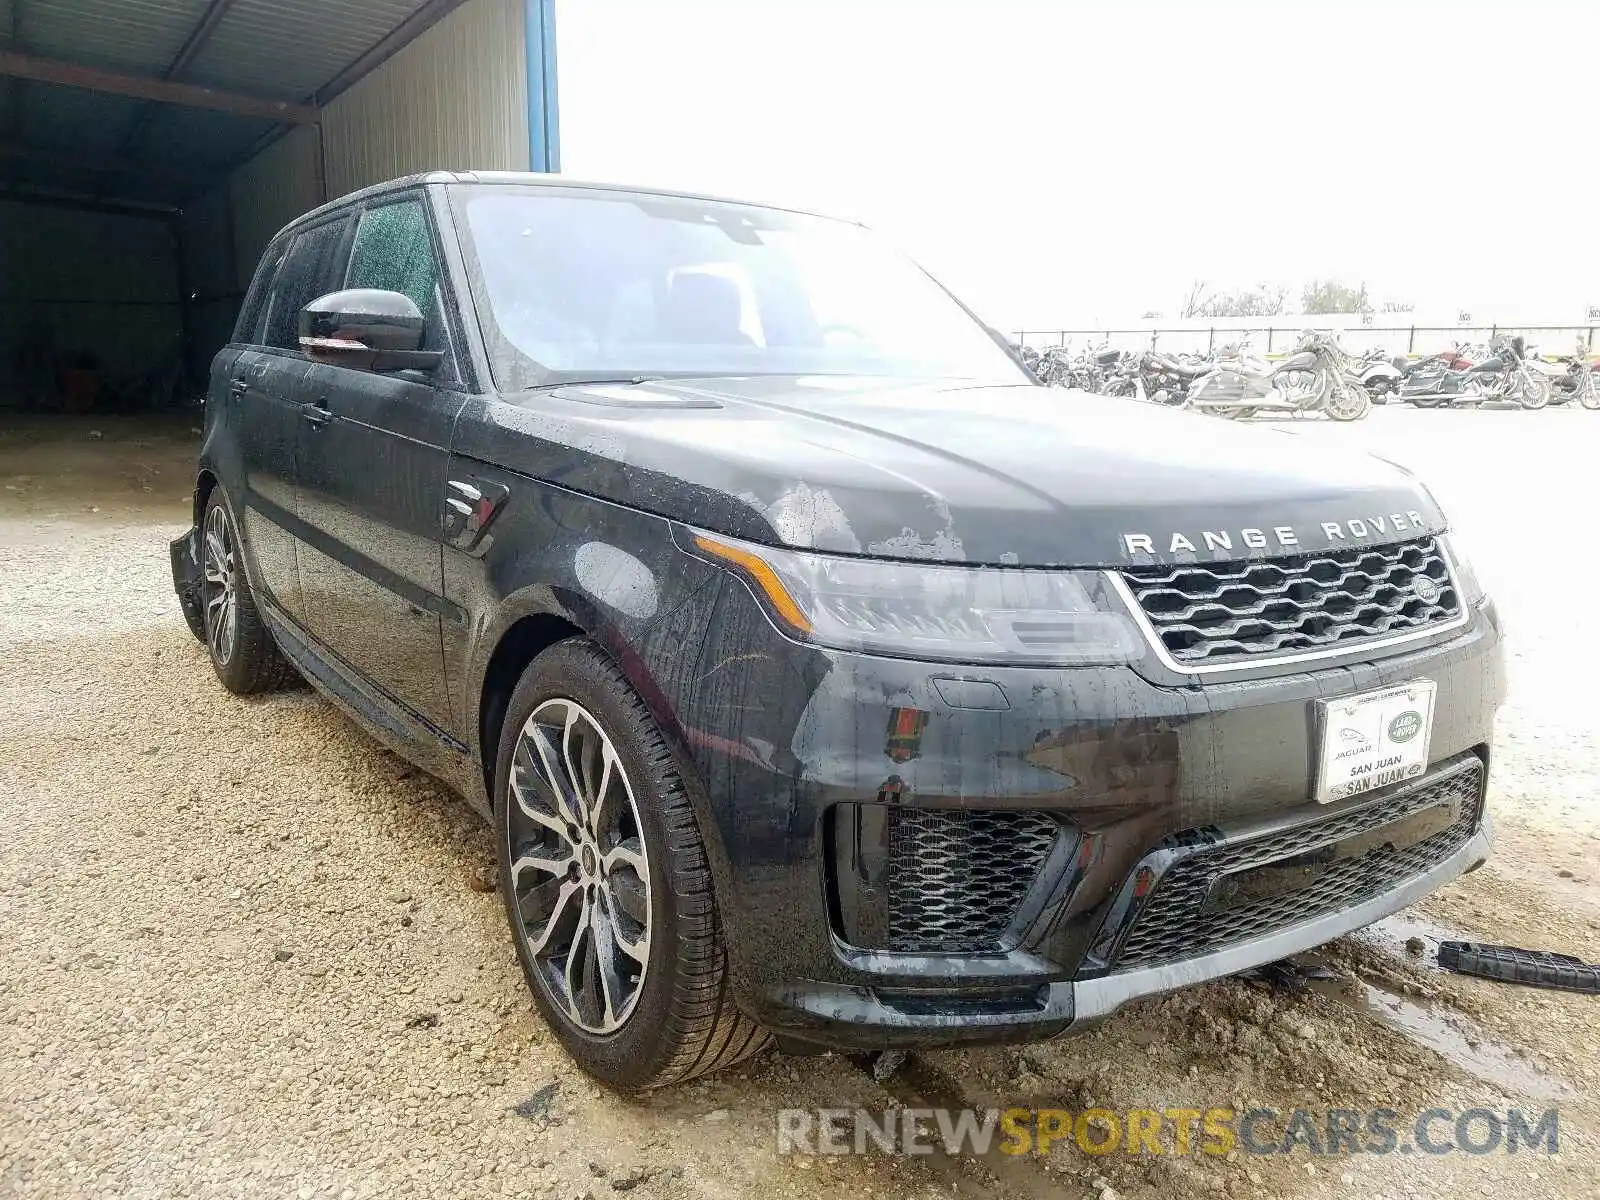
(578, 869)
(1346, 399)
(1533, 391)
(1588, 391)
(220, 586)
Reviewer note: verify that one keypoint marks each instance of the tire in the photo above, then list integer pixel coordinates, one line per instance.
(619, 874)
(1534, 393)
(1589, 392)
(1347, 400)
(241, 648)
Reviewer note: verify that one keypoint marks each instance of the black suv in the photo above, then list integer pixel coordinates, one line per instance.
(821, 673)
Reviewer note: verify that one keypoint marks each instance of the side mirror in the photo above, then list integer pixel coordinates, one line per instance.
(367, 328)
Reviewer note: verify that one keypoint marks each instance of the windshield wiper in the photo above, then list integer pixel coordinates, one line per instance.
(589, 380)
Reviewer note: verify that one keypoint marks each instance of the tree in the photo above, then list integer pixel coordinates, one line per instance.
(1195, 301)
(1330, 296)
(1264, 300)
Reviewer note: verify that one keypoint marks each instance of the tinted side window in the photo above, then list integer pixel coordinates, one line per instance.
(244, 329)
(394, 251)
(308, 271)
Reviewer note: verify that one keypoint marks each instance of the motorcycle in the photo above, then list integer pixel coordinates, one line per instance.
(1578, 383)
(1162, 379)
(1317, 377)
(1440, 378)
(1507, 375)
(1378, 375)
(1051, 366)
(1094, 367)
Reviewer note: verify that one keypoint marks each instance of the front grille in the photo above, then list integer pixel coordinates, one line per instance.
(956, 877)
(1229, 612)
(1176, 925)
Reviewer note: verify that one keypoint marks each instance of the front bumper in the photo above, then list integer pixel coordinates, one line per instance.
(186, 582)
(804, 762)
(861, 1018)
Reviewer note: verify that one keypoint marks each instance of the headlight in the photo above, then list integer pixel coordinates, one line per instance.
(933, 611)
(1472, 591)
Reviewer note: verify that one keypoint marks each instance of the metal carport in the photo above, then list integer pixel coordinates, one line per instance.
(149, 148)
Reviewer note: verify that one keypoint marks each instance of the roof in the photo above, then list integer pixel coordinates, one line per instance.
(100, 99)
(534, 178)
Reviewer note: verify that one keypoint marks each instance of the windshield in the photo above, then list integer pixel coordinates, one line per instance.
(572, 283)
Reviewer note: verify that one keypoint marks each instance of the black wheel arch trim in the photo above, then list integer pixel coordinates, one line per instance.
(588, 619)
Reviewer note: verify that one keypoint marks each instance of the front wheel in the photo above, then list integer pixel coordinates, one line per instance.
(606, 882)
(1533, 392)
(1347, 400)
(1588, 391)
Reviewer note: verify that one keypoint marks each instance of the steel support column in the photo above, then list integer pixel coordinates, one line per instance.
(544, 114)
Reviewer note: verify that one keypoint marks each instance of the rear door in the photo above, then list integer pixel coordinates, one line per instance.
(372, 479)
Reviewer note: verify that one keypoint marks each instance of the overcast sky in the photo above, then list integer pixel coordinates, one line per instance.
(1060, 163)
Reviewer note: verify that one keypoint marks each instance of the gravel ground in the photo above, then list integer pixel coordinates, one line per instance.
(247, 952)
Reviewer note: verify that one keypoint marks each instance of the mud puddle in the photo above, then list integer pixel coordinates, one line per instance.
(1453, 1036)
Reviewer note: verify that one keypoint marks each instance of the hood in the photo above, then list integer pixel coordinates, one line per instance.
(1002, 474)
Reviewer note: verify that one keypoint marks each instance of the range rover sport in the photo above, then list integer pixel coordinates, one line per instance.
(821, 674)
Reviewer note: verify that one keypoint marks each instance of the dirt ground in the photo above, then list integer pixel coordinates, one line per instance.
(247, 952)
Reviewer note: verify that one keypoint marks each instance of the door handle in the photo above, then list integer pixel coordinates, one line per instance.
(238, 387)
(317, 412)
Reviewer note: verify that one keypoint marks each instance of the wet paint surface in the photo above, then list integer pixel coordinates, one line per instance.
(406, 623)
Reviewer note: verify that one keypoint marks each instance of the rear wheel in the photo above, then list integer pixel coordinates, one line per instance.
(240, 646)
(606, 883)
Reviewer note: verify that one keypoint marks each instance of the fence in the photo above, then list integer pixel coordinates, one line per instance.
(1267, 339)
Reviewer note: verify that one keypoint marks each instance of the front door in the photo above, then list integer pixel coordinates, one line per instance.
(373, 459)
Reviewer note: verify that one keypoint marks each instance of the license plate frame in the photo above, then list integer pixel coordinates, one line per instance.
(1373, 739)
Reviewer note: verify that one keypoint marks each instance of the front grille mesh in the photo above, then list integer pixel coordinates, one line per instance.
(1174, 924)
(1212, 613)
(956, 877)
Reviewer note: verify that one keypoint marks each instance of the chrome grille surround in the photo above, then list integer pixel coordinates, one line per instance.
(1217, 616)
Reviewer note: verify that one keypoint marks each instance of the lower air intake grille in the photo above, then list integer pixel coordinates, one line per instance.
(1234, 612)
(1175, 923)
(957, 877)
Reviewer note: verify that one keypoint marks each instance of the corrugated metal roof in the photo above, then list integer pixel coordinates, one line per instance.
(278, 49)
(140, 36)
(290, 48)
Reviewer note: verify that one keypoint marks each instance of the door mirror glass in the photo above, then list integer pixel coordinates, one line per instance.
(367, 328)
